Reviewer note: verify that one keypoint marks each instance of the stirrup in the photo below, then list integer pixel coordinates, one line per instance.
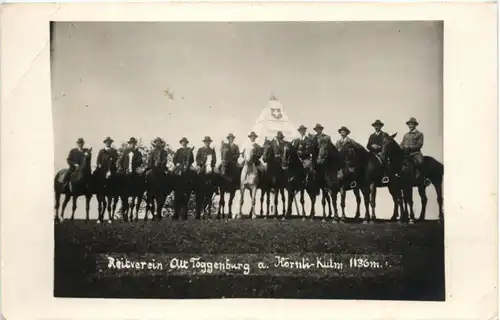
(427, 182)
(385, 179)
(353, 184)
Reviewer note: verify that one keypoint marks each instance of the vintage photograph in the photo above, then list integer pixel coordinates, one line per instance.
(248, 160)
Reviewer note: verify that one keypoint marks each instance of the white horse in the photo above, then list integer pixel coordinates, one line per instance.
(249, 180)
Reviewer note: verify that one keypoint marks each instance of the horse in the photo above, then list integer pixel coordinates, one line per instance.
(382, 173)
(133, 186)
(328, 163)
(266, 180)
(80, 184)
(205, 189)
(106, 187)
(354, 178)
(156, 188)
(431, 173)
(249, 180)
(183, 179)
(275, 177)
(301, 177)
(228, 180)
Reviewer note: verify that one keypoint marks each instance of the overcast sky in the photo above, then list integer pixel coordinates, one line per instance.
(109, 79)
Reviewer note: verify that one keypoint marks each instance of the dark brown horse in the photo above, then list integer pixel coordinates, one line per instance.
(228, 180)
(132, 187)
(329, 162)
(107, 190)
(301, 177)
(205, 188)
(157, 188)
(183, 180)
(431, 172)
(275, 177)
(80, 184)
(354, 177)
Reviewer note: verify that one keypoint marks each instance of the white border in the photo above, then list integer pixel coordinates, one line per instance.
(470, 159)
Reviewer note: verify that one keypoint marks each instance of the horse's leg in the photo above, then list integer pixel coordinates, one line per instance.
(57, 204)
(312, 195)
(365, 190)
(268, 201)
(262, 194)
(302, 203)
(253, 194)
(357, 195)
(125, 208)
(99, 207)
(326, 194)
(110, 202)
(137, 207)
(409, 201)
(323, 202)
(199, 200)
(373, 202)
(242, 196)
(343, 193)
(67, 197)
(333, 193)
(222, 204)
(283, 200)
(73, 209)
(160, 201)
(115, 203)
(439, 192)
(88, 197)
(291, 196)
(276, 197)
(423, 199)
(230, 203)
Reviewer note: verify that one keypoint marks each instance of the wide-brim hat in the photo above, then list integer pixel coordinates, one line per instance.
(158, 139)
(318, 127)
(80, 140)
(302, 128)
(229, 136)
(343, 128)
(412, 120)
(280, 134)
(207, 139)
(108, 139)
(377, 123)
(132, 140)
(252, 134)
(184, 139)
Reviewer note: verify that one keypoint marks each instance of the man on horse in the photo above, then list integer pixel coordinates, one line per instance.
(107, 157)
(183, 157)
(257, 153)
(75, 158)
(203, 153)
(278, 144)
(345, 139)
(412, 143)
(303, 143)
(132, 157)
(320, 136)
(375, 141)
(234, 153)
(158, 154)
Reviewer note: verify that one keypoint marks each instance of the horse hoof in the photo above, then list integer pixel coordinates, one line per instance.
(98, 221)
(109, 221)
(365, 222)
(412, 221)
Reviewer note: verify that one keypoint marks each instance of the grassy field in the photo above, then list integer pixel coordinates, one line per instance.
(421, 276)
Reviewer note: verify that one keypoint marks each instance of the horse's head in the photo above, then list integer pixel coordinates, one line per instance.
(325, 147)
(87, 157)
(267, 152)
(350, 157)
(225, 154)
(390, 147)
(285, 159)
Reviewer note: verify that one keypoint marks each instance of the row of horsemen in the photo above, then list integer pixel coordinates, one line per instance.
(305, 148)
(108, 158)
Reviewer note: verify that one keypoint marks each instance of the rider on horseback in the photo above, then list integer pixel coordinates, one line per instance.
(75, 158)
(374, 144)
(131, 158)
(183, 157)
(257, 153)
(343, 142)
(107, 157)
(412, 143)
(158, 156)
(203, 153)
(234, 154)
(303, 143)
